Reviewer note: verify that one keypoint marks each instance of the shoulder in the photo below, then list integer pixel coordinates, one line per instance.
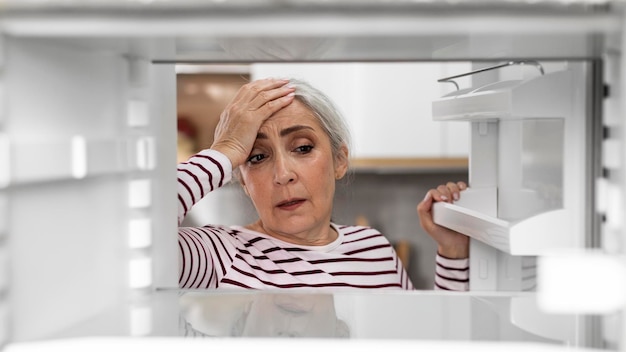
(353, 230)
(353, 233)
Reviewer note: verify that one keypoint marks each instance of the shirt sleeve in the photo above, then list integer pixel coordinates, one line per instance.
(451, 274)
(201, 174)
(205, 255)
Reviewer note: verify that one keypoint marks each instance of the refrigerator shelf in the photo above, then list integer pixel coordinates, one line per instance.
(545, 96)
(531, 236)
(42, 160)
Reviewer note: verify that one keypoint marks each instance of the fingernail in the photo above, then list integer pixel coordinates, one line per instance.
(291, 94)
(443, 198)
(456, 196)
(427, 196)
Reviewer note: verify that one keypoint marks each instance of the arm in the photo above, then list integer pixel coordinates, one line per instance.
(452, 263)
(201, 174)
(451, 274)
(235, 135)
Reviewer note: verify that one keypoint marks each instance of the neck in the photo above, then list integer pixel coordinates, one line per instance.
(319, 237)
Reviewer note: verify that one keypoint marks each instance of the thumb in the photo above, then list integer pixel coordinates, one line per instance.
(424, 206)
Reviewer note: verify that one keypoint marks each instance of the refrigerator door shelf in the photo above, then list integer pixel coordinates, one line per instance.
(545, 96)
(531, 236)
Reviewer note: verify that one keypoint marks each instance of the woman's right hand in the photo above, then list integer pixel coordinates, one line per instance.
(240, 121)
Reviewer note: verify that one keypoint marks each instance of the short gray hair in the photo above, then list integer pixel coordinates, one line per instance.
(326, 111)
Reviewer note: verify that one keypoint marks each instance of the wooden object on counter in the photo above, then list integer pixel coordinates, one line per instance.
(361, 220)
(403, 249)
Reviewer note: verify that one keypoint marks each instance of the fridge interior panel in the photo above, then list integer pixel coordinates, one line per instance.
(89, 91)
(328, 31)
(83, 132)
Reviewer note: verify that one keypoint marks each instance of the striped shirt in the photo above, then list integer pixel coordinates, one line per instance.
(235, 257)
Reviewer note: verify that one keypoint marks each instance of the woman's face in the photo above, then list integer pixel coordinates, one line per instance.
(290, 176)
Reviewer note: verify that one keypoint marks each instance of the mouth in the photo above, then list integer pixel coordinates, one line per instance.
(291, 204)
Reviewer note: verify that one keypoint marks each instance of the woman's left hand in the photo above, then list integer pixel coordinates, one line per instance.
(451, 244)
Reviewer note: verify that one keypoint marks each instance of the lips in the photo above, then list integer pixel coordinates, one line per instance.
(290, 204)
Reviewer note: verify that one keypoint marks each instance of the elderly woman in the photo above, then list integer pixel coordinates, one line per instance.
(288, 146)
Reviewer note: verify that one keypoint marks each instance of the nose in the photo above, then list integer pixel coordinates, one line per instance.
(283, 170)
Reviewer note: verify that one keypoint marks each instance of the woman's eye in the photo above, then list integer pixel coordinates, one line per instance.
(257, 158)
(304, 149)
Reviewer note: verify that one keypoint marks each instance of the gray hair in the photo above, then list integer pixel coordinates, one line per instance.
(328, 114)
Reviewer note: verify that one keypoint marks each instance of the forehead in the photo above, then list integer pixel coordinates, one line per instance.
(295, 113)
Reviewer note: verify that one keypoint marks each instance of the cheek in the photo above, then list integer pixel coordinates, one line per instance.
(247, 181)
(255, 185)
(324, 179)
(249, 176)
(329, 171)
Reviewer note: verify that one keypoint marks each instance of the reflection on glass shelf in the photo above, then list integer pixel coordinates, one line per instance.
(423, 315)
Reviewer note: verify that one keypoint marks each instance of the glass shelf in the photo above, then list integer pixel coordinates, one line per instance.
(416, 315)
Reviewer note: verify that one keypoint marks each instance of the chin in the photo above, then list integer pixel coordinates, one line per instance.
(294, 227)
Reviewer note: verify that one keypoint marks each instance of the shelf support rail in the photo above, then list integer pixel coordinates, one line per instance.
(484, 69)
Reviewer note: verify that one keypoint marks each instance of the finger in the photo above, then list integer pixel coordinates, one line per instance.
(251, 90)
(443, 193)
(424, 211)
(267, 96)
(462, 185)
(424, 206)
(455, 191)
(272, 106)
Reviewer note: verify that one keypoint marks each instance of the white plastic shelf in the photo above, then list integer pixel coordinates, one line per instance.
(508, 99)
(531, 236)
(76, 158)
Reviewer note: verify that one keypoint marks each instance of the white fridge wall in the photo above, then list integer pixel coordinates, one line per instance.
(69, 234)
(73, 261)
(76, 152)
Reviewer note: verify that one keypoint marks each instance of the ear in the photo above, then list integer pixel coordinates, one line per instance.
(341, 162)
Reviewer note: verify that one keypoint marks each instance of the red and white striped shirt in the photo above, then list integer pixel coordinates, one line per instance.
(236, 257)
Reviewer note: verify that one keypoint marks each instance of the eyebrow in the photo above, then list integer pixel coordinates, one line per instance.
(286, 131)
